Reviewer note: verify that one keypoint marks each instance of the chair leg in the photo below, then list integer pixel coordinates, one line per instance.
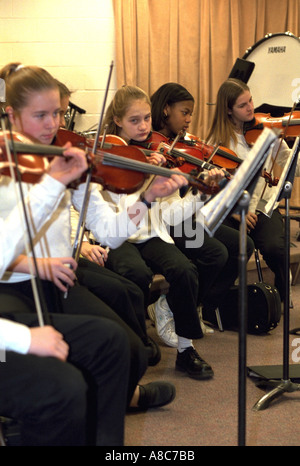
(294, 281)
(2, 441)
(219, 320)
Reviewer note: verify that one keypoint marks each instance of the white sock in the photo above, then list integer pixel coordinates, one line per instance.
(184, 343)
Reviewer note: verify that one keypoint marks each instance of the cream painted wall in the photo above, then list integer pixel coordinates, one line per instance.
(73, 39)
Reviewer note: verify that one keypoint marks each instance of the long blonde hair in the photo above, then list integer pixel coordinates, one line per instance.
(118, 107)
(222, 127)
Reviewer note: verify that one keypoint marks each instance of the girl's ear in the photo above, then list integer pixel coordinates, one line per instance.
(117, 121)
(166, 110)
(11, 114)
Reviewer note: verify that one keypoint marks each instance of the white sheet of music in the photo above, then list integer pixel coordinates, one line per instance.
(268, 207)
(215, 211)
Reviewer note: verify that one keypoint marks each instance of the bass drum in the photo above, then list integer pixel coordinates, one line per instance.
(276, 76)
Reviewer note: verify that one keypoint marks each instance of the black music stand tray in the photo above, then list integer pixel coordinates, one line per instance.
(73, 109)
(285, 384)
(234, 199)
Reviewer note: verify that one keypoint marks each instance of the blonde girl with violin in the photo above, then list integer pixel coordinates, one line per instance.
(42, 376)
(234, 111)
(33, 105)
(150, 249)
(217, 258)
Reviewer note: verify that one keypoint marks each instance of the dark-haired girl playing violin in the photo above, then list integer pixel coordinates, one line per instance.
(217, 259)
(233, 110)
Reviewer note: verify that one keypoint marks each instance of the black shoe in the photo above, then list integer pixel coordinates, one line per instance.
(189, 361)
(154, 395)
(154, 352)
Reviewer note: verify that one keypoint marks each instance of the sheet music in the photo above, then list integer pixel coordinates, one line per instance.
(267, 208)
(215, 211)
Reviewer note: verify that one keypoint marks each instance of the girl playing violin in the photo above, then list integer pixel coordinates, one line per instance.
(217, 258)
(43, 376)
(139, 254)
(234, 109)
(33, 106)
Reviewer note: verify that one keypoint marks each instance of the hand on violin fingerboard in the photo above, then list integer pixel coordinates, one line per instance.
(162, 187)
(156, 159)
(214, 176)
(69, 167)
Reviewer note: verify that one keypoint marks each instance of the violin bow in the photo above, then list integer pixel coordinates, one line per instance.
(83, 211)
(39, 299)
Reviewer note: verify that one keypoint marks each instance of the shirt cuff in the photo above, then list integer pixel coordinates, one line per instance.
(14, 336)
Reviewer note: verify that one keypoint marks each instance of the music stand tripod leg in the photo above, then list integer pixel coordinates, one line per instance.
(243, 206)
(284, 385)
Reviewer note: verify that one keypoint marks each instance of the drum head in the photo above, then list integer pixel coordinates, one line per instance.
(276, 76)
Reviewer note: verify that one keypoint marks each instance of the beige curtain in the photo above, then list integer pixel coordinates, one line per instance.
(195, 43)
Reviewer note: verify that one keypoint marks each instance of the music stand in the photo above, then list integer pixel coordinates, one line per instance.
(285, 384)
(242, 70)
(70, 123)
(235, 197)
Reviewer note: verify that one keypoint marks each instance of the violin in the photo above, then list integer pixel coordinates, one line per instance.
(111, 140)
(30, 167)
(121, 169)
(219, 155)
(187, 156)
(288, 125)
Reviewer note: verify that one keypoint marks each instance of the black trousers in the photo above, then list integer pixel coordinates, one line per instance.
(79, 402)
(120, 294)
(217, 262)
(80, 301)
(268, 237)
(139, 262)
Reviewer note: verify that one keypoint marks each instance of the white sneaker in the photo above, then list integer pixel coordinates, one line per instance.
(162, 316)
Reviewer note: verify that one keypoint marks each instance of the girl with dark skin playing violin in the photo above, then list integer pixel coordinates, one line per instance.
(33, 106)
(235, 109)
(151, 249)
(217, 258)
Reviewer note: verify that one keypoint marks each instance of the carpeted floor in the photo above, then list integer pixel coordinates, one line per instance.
(205, 413)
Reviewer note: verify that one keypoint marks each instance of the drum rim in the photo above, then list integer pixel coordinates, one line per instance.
(268, 36)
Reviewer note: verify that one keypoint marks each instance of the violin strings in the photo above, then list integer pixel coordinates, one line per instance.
(135, 165)
(193, 160)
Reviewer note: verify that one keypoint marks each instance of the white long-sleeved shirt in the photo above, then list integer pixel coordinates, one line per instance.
(54, 237)
(14, 336)
(242, 149)
(41, 200)
(110, 225)
(109, 222)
